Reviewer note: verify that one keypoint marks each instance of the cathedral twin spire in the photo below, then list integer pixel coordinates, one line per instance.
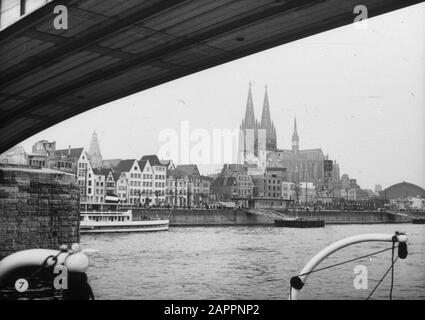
(249, 120)
(266, 123)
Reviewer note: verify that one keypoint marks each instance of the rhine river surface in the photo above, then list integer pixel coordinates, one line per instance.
(247, 263)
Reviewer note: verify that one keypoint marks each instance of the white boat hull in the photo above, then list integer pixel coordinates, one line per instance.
(131, 226)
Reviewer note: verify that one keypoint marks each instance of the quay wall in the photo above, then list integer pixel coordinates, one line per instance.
(194, 217)
(223, 217)
(38, 209)
(352, 217)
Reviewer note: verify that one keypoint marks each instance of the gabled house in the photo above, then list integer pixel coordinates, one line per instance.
(169, 164)
(159, 175)
(75, 160)
(177, 189)
(128, 180)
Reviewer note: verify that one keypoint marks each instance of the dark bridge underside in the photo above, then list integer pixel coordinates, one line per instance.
(116, 48)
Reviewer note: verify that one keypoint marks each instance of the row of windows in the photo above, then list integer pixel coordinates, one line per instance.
(82, 165)
(273, 181)
(147, 176)
(244, 184)
(179, 192)
(62, 165)
(37, 163)
(147, 184)
(149, 192)
(135, 184)
(273, 195)
(82, 174)
(173, 184)
(201, 184)
(89, 183)
(275, 188)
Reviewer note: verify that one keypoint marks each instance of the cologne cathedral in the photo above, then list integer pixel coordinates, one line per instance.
(256, 138)
(258, 146)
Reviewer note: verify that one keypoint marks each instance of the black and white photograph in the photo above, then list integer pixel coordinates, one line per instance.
(224, 152)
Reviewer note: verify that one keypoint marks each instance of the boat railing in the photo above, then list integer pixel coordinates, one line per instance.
(398, 240)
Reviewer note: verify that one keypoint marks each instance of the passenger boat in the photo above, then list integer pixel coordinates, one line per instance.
(107, 222)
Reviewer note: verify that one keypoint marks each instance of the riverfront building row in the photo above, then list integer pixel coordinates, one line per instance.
(149, 181)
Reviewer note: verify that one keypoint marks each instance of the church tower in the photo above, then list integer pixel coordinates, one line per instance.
(266, 133)
(267, 125)
(95, 157)
(248, 130)
(295, 139)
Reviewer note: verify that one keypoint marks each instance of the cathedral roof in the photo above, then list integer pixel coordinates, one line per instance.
(307, 154)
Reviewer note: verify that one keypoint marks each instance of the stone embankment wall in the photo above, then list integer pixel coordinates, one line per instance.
(38, 209)
(186, 217)
(194, 217)
(353, 217)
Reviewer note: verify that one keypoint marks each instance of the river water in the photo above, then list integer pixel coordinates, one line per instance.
(247, 263)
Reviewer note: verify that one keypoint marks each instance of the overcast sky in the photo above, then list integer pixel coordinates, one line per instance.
(357, 94)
